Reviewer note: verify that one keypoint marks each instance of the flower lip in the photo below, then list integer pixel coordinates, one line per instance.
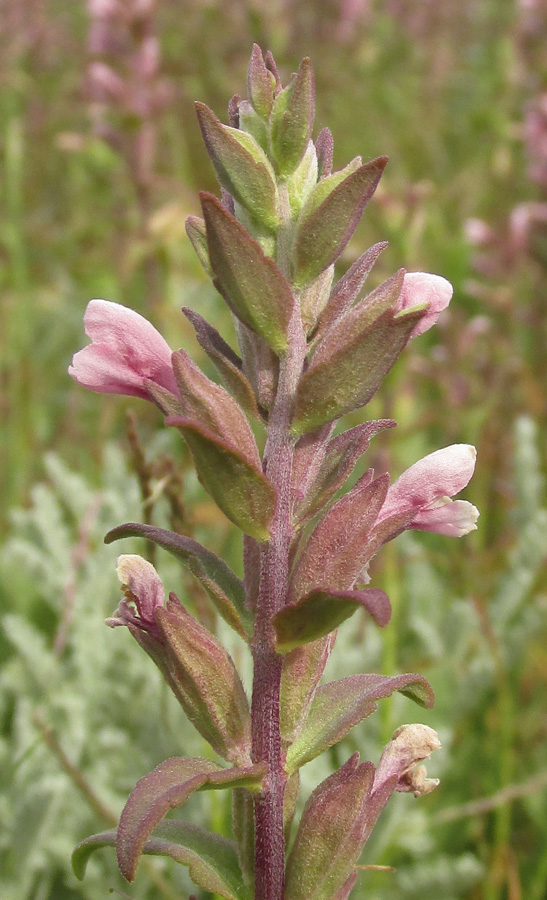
(125, 351)
(422, 287)
(143, 590)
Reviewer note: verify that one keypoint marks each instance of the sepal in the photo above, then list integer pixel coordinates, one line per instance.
(338, 461)
(242, 167)
(166, 788)
(329, 839)
(333, 551)
(300, 675)
(224, 588)
(323, 235)
(324, 147)
(209, 687)
(228, 363)
(322, 611)
(208, 403)
(195, 229)
(340, 705)
(260, 83)
(238, 487)
(347, 288)
(240, 266)
(292, 120)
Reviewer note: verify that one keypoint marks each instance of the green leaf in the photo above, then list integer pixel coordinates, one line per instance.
(340, 705)
(209, 687)
(331, 834)
(227, 362)
(212, 859)
(322, 611)
(292, 120)
(242, 167)
(349, 371)
(323, 235)
(300, 675)
(168, 787)
(250, 282)
(224, 588)
(239, 489)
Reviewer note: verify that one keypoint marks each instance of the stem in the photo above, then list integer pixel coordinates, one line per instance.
(272, 596)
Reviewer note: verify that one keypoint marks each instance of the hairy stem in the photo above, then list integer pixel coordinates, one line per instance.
(274, 571)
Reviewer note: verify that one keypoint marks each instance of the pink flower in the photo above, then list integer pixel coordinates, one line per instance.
(421, 288)
(125, 352)
(143, 594)
(420, 498)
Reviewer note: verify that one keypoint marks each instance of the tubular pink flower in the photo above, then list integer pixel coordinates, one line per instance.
(125, 352)
(143, 591)
(421, 496)
(419, 288)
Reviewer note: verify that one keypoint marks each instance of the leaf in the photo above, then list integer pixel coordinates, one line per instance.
(322, 611)
(240, 490)
(242, 167)
(330, 837)
(224, 588)
(250, 282)
(168, 787)
(209, 687)
(334, 551)
(324, 147)
(341, 455)
(346, 290)
(212, 406)
(292, 120)
(212, 859)
(340, 705)
(227, 362)
(300, 675)
(347, 374)
(324, 234)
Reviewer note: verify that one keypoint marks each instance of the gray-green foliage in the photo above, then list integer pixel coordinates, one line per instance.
(101, 697)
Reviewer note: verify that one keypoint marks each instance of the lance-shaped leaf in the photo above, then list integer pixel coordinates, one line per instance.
(224, 588)
(348, 374)
(340, 705)
(212, 406)
(301, 673)
(168, 787)
(323, 235)
(347, 289)
(292, 120)
(250, 282)
(242, 167)
(195, 229)
(259, 83)
(227, 362)
(322, 611)
(334, 550)
(209, 686)
(339, 459)
(212, 859)
(329, 839)
(239, 489)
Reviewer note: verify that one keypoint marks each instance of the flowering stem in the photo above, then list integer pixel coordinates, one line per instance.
(274, 571)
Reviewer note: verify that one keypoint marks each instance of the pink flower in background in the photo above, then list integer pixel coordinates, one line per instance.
(421, 287)
(421, 496)
(125, 352)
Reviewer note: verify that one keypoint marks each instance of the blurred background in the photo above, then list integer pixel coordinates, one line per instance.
(101, 161)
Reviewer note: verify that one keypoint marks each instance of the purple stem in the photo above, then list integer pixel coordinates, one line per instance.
(272, 596)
